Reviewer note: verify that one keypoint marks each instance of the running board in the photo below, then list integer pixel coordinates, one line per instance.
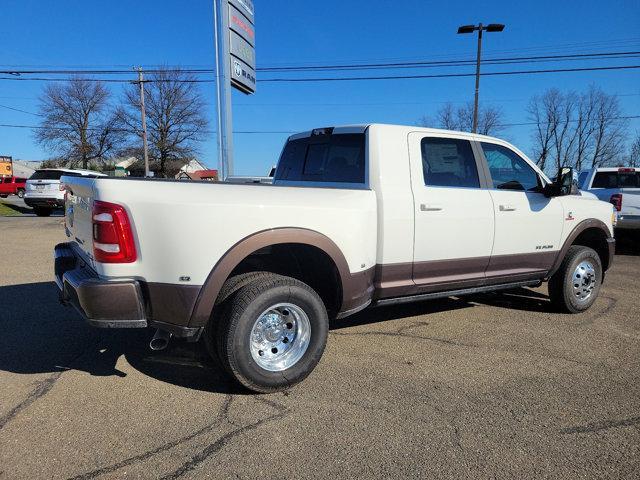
(455, 293)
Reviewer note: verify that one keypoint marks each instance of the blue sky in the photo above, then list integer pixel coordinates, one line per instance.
(122, 33)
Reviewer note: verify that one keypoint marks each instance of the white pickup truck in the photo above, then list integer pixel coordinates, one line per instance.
(356, 216)
(621, 187)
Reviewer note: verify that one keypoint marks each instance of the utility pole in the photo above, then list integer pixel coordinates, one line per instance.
(147, 173)
(492, 27)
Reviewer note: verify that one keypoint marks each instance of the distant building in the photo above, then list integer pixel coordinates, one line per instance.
(191, 166)
(25, 168)
(210, 175)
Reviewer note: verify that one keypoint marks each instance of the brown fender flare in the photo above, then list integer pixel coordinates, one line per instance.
(356, 288)
(578, 229)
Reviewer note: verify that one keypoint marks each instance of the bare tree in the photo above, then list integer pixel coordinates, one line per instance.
(634, 153)
(580, 130)
(542, 112)
(451, 118)
(175, 111)
(609, 129)
(77, 123)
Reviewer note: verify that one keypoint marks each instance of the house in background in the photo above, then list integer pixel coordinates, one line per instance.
(121, 168)
(191, 166)
(209, 175)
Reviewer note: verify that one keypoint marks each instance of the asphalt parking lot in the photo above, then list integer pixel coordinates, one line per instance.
(494, 385)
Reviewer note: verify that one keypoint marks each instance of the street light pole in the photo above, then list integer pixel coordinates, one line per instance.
(475, 101)
(492, 27)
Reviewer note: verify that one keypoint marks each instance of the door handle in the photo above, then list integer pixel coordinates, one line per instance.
(430, 208)
(507, 208)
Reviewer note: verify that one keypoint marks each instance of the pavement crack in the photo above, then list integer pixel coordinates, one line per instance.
(596, 427)
(404, 335)
(222, 442)
(220, 417)
(41, 389)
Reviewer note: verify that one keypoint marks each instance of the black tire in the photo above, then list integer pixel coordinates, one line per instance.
(561, 284)
(231, 286)
(42, 211)
(238, 316)
(235, 283)
(20, 193)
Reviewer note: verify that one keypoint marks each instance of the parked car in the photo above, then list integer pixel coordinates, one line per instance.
(621, 187)
(357, 216)
(12, 186)
(44, 192)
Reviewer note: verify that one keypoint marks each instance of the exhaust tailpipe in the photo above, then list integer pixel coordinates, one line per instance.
(160, 340)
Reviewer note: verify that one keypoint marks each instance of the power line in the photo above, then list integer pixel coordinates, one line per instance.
(425, 63)
(580, 46)
(447, 75)
(459, 62)
(19, 110)
(625, 117)
(38, 127)
(338, 79)
(279, 132)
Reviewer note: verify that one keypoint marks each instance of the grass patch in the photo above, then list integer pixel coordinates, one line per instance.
(9, 210)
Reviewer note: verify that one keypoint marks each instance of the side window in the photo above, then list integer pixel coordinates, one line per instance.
(448, 162)
(508, 170)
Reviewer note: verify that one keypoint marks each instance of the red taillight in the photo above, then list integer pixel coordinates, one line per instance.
(616, 201)
(112, 236)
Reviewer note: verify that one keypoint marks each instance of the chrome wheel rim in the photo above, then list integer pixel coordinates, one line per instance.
(280, 337)
(584, 280)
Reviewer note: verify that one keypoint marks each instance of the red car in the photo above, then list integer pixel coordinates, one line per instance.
(12, 186)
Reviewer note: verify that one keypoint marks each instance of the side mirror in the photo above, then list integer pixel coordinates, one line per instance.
(563, 184)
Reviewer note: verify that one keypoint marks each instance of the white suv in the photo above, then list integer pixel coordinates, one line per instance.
(45, 192)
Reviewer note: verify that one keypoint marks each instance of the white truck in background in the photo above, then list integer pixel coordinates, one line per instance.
(356, 216)
(619, 186)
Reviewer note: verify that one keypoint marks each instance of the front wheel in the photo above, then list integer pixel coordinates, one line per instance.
(576, 284)
(272, 333)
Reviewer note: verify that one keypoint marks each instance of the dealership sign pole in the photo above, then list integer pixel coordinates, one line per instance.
(235, 67)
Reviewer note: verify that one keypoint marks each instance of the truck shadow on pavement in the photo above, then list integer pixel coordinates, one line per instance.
(517, 299)
(42, 336)
(627, 243)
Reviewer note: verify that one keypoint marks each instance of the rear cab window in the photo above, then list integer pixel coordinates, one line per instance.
(324, 159)
(616, 180)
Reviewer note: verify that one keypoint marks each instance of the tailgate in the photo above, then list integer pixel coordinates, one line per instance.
(78, 207)
(630, 201)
